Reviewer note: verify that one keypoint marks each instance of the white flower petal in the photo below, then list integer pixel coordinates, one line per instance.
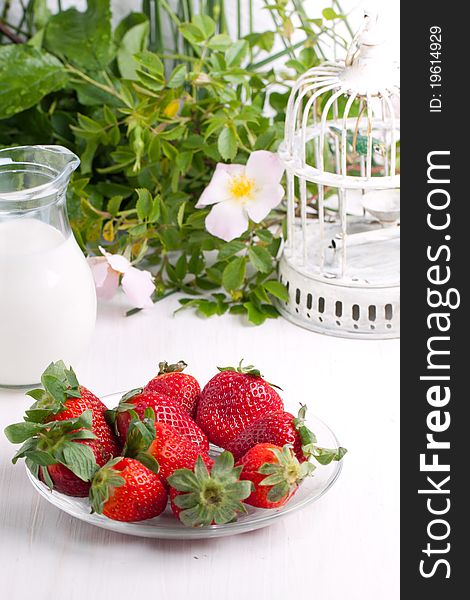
(138, 287)
(218, 189)
(232, 170)
(227, 220)
(116, 261)
(264, 200)
(106, 278)
(99, 268)
(266, 168)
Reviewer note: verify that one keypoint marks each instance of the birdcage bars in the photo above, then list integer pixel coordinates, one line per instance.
(362, 84)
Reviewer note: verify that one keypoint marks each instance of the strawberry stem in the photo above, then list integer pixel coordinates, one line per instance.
(164, 367)
(248, 370)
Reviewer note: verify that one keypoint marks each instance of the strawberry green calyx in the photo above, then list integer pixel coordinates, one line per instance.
(248, 370)
(309, 442)
(52, 443)
(123, 406)
(210, 498)
(285, 475)
(140, 435)
(103, 484)
(59, 383)
(164, 367)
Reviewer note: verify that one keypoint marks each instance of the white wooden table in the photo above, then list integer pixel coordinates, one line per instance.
(345, 546)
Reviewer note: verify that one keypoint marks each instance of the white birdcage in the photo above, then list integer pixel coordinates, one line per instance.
(341, 151)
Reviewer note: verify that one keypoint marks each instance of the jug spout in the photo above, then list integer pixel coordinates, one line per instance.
(34, 174)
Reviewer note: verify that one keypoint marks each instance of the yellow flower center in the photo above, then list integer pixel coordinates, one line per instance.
(242, 187)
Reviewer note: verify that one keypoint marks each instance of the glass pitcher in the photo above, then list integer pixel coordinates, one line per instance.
(47, 293)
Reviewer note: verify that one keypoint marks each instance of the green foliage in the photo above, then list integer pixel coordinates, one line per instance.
(150, 127)
(27, 75)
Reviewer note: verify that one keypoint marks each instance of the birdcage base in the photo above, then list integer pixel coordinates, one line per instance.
(339, 307)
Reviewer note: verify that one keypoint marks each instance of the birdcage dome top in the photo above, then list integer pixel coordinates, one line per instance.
(351, 109)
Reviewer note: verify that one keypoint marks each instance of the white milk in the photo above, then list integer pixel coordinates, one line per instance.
(47, 300)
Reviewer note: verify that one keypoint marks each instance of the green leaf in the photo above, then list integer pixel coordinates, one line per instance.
(205, 24)
(230, 249)
(265, 235)
(20, 432)
(278, 492)
(138, 230)
(27, 75)
(134, 41)
(181, 267)
(222, 42)
(329, 14)
(79, 459)
(144, 203)
(326, 455)
(139, 437)
(114, 204)
(180, 215)
(255, 316)
(183, 480)
(151, 70)
(277, 289)
(151, 62)
(178, 77)
(82, 38)
(39, 457)
(149, 461)
(155, 210)
(235, 54)
(260, 259)
(223, 465)
(261, 294)
(227, 143)
(206, 308)
(192, 33)
(234, 274)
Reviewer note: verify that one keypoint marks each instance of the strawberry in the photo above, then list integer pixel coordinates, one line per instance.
(281, 428)
(180, 387)
(133, 405)
(63, 398)
(275, 473)
(154, 443)
(232, 400)
(126, 490)
(63, 454)
(201, 498)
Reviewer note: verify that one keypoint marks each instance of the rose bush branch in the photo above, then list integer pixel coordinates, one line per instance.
(149, 133)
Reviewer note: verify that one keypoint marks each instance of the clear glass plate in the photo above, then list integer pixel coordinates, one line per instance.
(166, 526)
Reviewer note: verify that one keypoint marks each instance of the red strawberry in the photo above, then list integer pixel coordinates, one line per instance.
(63, 398)
(199, 498)
(126, 490)
(64, 480)
(149, 441)
(278, 428)
(275, 473)
(63, 454)
(180, 387)
(232, 400)
(166, 411)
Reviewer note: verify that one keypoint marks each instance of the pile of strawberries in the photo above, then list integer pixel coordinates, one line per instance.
(154, 445)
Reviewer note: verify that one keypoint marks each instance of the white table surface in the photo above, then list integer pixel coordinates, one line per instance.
(345, 546)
